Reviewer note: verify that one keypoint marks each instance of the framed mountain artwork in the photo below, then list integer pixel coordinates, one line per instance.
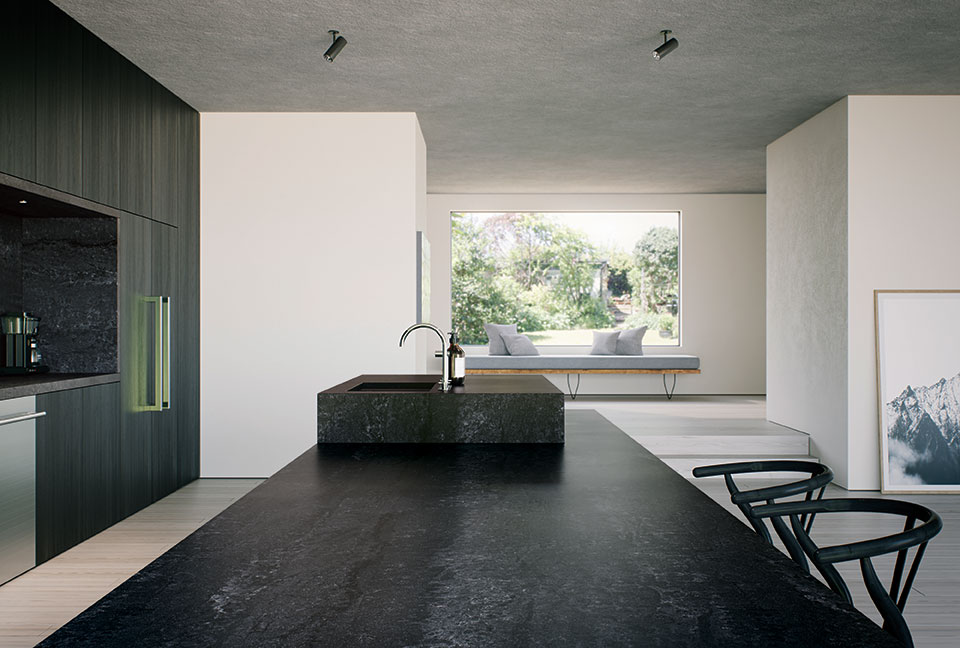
(918, 378)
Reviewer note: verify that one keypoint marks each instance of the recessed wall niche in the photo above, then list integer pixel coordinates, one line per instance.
(63, 269)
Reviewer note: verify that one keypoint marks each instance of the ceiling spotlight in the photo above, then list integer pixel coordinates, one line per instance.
(23, 202)
(667, 47)
(339, 42)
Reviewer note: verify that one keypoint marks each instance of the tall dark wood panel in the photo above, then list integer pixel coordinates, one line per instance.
(59, 99)
(135, 346)
(188, 312)
(59, 467)
(165, 242)
(78, 117)
(18, 107)
(101, 122)
(164, 146)
(100, 458)
(136, 136)
(78, 443)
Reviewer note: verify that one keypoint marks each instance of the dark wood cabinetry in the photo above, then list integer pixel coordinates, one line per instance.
(187, 310)
(78, 118)
(100, 160)
(100, 453)
(77, 466)
(59, 74)
(135, 347)
(18, 105)
(165, 244)
(151, 444)
(136, 136)
(165, 139)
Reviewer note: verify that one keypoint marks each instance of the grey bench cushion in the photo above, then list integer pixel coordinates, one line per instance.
(575, 363)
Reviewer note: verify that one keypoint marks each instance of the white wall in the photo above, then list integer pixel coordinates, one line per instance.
(722, 281)
(863, 196)
(307, 272)
(904, 177)
(807, 283)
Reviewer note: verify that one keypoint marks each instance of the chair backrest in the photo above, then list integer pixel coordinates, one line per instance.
(920, 526)
(746, 500)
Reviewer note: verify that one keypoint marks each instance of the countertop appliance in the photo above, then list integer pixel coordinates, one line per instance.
(19, 350)
(18, 486)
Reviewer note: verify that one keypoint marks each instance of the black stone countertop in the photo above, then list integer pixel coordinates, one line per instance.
(486, 409)
(595, 543)
(19, 385)
(500, 384)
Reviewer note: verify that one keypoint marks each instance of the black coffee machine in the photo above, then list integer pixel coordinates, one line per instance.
(19, 353)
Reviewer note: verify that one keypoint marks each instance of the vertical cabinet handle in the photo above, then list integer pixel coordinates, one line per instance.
(162, 382)
(166, 308)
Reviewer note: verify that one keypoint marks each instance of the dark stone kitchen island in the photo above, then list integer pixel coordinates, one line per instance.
(591, 543)
(412, 409)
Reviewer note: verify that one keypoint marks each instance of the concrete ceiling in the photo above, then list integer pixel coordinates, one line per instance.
(560, 96)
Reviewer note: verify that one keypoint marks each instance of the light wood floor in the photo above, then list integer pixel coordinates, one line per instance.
(45, 598)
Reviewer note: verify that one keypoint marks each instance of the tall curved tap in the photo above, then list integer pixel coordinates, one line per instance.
(445, 381)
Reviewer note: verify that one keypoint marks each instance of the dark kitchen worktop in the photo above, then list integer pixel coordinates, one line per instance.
(595, 543)
(485, 409)
(472, 384)
(18, 385)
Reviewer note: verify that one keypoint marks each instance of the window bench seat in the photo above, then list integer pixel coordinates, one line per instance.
(586, 364)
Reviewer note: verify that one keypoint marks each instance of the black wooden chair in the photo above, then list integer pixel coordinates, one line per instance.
(746, 500)
(890, 603)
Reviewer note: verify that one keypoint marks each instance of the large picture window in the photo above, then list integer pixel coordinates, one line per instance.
(561, 275)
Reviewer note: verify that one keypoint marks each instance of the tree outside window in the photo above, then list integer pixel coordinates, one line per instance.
(561, 275)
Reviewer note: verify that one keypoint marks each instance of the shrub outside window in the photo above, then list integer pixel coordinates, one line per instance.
(561, 275)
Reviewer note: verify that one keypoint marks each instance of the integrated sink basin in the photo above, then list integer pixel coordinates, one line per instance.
(392, 387)
(410, 408)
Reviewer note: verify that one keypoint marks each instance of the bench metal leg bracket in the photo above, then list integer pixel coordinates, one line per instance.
(673, 387)
(573, 392)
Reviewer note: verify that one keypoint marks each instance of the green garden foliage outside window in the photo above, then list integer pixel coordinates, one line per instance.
(559, 276)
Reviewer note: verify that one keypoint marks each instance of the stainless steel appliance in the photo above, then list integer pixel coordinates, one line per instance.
(19, 350)
(18, 486)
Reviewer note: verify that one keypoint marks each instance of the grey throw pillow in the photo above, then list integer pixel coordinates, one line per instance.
(605, 343)
(494, 333)
(519, 345)
(630, 341)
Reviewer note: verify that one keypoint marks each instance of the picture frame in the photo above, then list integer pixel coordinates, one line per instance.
(918, 390)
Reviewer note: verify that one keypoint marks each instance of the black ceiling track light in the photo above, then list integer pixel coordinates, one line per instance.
(667, 47)
(339, 42)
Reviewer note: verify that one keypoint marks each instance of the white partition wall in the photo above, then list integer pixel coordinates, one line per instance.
(904, 232)
(807, 283)
(308, 266)
(863, 196)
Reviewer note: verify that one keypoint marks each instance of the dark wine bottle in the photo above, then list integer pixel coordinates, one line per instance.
(457, 359)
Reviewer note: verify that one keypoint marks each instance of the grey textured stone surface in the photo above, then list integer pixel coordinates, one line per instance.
(487, 409)
(33, 384)
(593, 543)
(69, 270)
(11, 284)
(549, 96)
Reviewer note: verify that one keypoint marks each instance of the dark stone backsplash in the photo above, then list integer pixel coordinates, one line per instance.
(68, 275)
(11, 285)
